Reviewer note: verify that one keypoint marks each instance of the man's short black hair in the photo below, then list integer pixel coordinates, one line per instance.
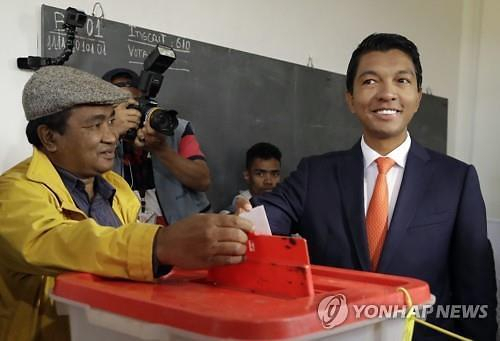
(262, 150)
(56, 122)
(122, 72)
(383, 42)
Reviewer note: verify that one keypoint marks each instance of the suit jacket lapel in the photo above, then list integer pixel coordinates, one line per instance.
(351, 173)
(415, 178)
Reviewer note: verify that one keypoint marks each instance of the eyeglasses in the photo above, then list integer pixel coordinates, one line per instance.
(126, 84)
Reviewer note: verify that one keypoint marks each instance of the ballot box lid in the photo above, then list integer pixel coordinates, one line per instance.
(189, 301)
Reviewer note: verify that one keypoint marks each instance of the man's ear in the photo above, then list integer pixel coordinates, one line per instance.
(47, 137)
(246, 176)
(349, 100)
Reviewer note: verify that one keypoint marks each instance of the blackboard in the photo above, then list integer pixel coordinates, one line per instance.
(235, 99)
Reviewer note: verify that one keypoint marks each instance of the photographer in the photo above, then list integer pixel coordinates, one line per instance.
(168, 173)
(64, 210)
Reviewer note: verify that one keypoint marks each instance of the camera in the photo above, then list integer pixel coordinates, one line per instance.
(150, 80)
(74, 19)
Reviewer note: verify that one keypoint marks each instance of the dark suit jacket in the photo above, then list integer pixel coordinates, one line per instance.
(437, 232)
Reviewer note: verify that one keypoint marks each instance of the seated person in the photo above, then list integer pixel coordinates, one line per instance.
(262, 173)
(63, 209)
(168, 173)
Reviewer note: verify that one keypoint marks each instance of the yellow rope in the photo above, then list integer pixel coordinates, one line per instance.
(411, 319)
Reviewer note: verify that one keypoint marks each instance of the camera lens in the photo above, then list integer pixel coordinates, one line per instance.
(163, 121)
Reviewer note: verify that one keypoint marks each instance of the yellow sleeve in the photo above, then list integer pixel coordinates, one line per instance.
(38, 236)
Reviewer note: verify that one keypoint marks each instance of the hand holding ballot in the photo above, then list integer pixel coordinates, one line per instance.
(258, 217)
(203, 240)
(241, 205)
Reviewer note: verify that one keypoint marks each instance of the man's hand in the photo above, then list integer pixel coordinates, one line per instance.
(126, 119)
(150, 139)
(203, 240)
(241, 205)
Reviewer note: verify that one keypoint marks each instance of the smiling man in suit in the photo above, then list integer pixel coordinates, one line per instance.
(388, 204)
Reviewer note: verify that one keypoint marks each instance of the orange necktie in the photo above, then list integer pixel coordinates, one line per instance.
(378, 212)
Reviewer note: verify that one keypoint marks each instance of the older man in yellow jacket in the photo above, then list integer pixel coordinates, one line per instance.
(64, 210)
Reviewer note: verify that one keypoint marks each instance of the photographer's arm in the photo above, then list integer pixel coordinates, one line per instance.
(193, 174)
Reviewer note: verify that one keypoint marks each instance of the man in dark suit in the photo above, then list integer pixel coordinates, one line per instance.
(420, 215)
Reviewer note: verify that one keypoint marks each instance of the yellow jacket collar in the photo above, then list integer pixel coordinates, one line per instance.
(41, 170)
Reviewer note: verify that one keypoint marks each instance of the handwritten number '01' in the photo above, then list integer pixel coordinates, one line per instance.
(90, 28)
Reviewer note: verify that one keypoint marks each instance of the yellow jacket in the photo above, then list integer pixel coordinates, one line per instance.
(43, 233)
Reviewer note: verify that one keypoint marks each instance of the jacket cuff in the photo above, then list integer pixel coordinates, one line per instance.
(139, 262)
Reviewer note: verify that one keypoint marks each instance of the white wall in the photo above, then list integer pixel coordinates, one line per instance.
(486, 122)
(485, 119)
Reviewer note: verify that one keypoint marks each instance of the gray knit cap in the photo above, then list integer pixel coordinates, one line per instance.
(52, 89)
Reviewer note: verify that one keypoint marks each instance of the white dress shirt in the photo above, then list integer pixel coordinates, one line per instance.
(394, 175)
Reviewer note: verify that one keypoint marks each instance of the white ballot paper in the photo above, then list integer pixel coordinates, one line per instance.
(259, 219)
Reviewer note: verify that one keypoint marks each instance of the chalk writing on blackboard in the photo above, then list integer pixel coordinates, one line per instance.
(141, 41)
(89, 40)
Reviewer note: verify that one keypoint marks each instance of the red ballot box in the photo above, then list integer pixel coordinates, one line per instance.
(242, 301)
